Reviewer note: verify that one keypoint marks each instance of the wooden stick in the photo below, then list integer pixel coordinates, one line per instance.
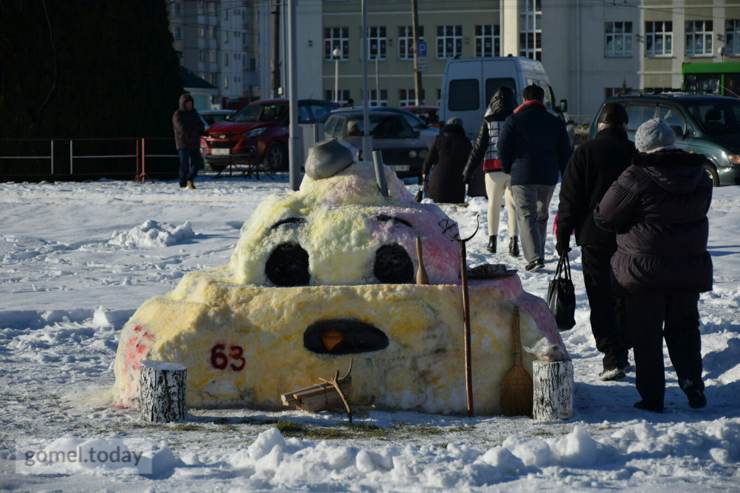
(466, 326)
(421, 272)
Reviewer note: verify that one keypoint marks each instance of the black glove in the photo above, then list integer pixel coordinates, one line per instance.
(562, 248)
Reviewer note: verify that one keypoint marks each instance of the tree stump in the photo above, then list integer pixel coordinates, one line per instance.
(162, 391)
(553, 390)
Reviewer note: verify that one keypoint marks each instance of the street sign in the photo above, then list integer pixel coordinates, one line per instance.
(421, 48)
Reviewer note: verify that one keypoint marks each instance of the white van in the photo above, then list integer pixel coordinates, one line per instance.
(469, 84)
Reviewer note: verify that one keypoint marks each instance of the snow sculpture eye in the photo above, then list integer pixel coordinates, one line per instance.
(288, 266)
(393, 265)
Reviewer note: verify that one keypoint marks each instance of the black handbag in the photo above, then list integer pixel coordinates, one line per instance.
(561, 295)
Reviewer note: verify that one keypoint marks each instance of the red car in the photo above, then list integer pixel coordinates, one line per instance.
(258, 134)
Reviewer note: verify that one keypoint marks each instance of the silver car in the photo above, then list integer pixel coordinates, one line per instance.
(400, 145)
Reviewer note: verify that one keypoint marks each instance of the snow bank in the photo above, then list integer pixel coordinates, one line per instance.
(153, 234)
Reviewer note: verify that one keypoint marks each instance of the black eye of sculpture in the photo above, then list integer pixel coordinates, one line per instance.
(288, 265)
(393, 265)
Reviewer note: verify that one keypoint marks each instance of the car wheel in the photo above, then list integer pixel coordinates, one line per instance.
(276, 158)
(712, 172)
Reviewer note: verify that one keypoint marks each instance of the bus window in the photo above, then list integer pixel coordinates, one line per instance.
(463, 95)
(493, 85)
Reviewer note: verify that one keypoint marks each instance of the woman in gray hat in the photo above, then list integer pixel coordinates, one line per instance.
(658, 208)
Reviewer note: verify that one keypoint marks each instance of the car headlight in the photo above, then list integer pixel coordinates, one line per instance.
(412, 154)
(256, 132)
(734, 158)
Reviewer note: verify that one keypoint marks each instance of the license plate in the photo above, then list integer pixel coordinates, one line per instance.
(219, 152)
(402, 167)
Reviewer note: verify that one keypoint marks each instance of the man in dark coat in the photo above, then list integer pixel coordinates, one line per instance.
(592, 169)
(534, 148)
(448, 157)
(658, 208)
(188, 127)
(485, 154)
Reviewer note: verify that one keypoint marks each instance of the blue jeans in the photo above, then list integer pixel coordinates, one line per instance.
(190, 162)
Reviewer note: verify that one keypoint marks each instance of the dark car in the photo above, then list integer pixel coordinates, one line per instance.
(706, 125)
(400, 145)
(258, 134)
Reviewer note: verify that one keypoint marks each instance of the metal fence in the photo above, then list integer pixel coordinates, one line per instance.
(87, 158)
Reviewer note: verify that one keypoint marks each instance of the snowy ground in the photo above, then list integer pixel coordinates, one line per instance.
(79, 258)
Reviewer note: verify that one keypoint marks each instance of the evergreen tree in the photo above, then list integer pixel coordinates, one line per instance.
(86, 68)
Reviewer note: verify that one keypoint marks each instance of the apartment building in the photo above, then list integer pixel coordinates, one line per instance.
(216, 40)
(590, 48)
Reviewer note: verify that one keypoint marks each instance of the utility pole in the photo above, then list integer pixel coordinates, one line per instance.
(276, 49)
(294, 141)
(415, 33)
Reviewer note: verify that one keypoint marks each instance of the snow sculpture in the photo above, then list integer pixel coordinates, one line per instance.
(324, 275)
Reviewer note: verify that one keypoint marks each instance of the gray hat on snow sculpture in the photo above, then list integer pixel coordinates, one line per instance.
(654, 135)
(327, 158)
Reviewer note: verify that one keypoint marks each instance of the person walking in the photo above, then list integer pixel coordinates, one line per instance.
(447, 159)
(485, 153)
(658, 208)
(534, 148)
(188, 127)
(592, 168)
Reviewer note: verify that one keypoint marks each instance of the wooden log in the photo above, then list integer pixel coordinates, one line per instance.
(553, 390)
(162, 391)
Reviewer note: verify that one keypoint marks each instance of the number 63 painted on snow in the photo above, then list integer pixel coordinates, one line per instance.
(220, 360)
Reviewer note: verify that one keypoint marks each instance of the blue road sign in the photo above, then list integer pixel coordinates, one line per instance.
(421, 48)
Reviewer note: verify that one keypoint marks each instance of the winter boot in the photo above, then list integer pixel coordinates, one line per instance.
(695, 394)
(653, 407)
(514, 246)
(191, 185)
(492, 244)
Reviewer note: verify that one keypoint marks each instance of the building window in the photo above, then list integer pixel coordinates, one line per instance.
(178, 33)
(202, 32)
(211, 8)
(449, 41)
(211, 32)
(617, 39)
(407, 97)
(226, 37)
(530, 35)
(732, 36)
(343, 95)
(487, 40)
(406, 41)
(336, 37)
(226, 82)
(376, 43)
(202, 55)
(226, 59)
(659, 38)
(212, 56)
(439, 98)
(213, 79)
(699, 38)
(375, 101)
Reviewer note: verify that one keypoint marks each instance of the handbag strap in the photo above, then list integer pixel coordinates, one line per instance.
(562, 271)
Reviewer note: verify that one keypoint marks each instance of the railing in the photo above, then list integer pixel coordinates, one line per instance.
(67, 159)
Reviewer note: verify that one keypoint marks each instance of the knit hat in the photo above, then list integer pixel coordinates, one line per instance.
(654, 135)
(455, 121)
(614, 113)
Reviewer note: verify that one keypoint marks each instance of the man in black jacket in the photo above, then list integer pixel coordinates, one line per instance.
(592, 169)
(534, 148)
(658, 208)
(188, 127)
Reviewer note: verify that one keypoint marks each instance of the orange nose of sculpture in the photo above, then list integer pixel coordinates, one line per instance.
(330, 339)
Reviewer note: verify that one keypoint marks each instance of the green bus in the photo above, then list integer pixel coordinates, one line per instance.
(722, 79)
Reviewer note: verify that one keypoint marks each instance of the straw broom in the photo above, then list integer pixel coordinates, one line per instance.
(516, 386)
